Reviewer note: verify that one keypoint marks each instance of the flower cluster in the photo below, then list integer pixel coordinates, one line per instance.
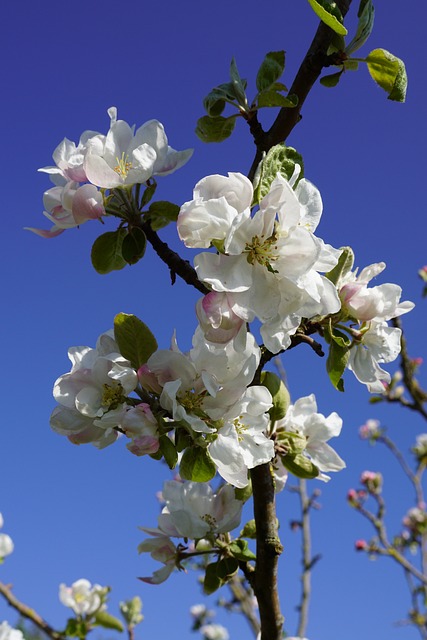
(267, 265)
(121, 158)
(192, 511)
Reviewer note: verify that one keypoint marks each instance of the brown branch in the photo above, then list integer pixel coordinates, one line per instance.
(28, 613)
(269, 549)
(311, 67)
(418, 395)
(177, 265)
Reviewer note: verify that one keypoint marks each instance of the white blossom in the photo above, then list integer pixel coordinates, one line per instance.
(302, 418)
(8, 633)
(126, 157)
(193, 510)
(82, 597)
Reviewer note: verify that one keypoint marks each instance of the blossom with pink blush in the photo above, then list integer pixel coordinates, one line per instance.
(361, 545)
(140, 425)
(70, 206)
(371, 429)
(372, 481)
(216, 317)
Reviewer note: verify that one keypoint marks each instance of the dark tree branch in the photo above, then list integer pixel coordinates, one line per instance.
(269, 549)
(176, 264)
(29, 613)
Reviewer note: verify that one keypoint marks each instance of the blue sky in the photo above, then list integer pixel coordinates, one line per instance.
(74, 511)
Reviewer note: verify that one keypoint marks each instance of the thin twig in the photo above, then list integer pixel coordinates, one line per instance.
(29, 613)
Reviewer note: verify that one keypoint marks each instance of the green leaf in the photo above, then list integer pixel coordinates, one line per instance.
(300, 466)
(389, 73)
(106, 620)
(226, 567)
(279, 393)
(366, 15)
(329, 13)
(274, 99)
(106, 252)
(249, 530)
(76, 628)
(336, 364)
(270, 70)
(332, 79)
(244, 493)
(161, 213)
(214, 103)
(280, 159)
(148, 193)
(182, 439)
(135, 340)
(215, 129)
(211, 581)
(240, 550)
(197, 465)
(169, 451)
(134, 244)
(294, 443)
(344, 265)
(238, 85)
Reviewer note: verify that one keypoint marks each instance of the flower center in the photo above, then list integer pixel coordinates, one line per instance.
(112, 395)
(263, 251)
(210, 520)
(123, 166)
(191, 401)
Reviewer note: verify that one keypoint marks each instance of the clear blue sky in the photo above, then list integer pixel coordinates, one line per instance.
(74, 511)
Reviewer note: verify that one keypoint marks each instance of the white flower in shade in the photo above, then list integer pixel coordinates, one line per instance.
(379, 303)
(83, 598)
(193, 510)
(379, 343)
(162, 549)
(9, 633)
(6, 542)
(69, 206)
(302, 418)
(214, 632)
(126, 157)
(140, 425)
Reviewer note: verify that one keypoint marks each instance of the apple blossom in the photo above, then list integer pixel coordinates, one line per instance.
(194, 511)
(69, 206)
(82, 597)
(93, 396)
(125, 157)
(267, 262)
(216, 317)
(8, 633)
(302, 418)
(69, 159)
(370, 430)
(378, 343)
(6, 542)
(213, 631)
(240, 443)
(140, 425)
(379, 303)
(162, 549)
